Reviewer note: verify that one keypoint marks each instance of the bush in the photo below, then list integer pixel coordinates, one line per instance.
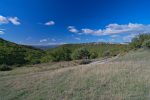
(93, 55)
(62, 54)
(107, 53)
(81, 53)
(146, 44)
(46, 58)
(35, 61)
(5, 67)
(138, 41)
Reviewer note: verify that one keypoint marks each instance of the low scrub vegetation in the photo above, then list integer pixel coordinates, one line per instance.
(146, 44)
(5, 67)
(140, 41)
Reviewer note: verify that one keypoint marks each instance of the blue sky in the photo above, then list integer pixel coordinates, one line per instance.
(49, 22)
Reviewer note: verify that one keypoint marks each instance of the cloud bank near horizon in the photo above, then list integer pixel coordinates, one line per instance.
(130, 28)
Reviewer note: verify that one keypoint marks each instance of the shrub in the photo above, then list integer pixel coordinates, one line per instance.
(93, 55)
(46, 58)
(137, 42)
(35, 61)
(146, 44)
(62, 54)
(106, 53)
(5, 67)
(81, 53)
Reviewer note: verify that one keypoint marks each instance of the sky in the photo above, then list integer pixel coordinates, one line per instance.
(51, 22)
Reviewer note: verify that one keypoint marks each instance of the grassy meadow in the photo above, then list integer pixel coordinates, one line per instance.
(124, 78)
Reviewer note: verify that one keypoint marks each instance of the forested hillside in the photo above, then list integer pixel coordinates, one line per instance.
(18, 55)
(11, 53)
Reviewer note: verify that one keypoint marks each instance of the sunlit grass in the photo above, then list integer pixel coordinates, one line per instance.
(126, 78)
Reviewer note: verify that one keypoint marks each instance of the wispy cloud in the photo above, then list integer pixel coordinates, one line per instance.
(6, 20)
(14, 20)
(114, 36)
(129, 37)
(77, 38)
(49, 23)
(2, 31)
(72, 29)
(29, 38)
(101, 40)
(3, 20)
(53, 40)
(131, 28)
(43, 40)
(59, 43)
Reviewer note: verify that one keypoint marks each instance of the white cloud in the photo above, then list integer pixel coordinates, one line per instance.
(87, 31)
(100, 40)
(29, 38)
(72, 29)
(49, 23)
(77, 38)
(131, 28)
(14, 20)
(3, 20)
(60, 43)
(114, 36)
(2, 31)
(43, 40)
(53, 40)
(6, 20)
(129, 37)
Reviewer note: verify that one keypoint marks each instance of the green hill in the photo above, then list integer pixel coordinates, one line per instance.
(11, 53)
(15, 54)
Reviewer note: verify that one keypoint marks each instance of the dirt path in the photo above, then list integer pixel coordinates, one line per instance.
(103, 61)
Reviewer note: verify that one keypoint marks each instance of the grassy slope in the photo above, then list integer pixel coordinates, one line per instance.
(127, 78)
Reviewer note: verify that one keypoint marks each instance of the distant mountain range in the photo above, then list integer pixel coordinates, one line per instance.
(45, 47)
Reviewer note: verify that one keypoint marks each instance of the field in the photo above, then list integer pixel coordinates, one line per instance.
(124, 78)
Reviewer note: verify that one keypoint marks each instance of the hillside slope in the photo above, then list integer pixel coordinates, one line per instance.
(11, 53)
(125, 78)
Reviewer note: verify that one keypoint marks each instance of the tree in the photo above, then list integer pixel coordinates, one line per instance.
(81, 53)
(62, 54)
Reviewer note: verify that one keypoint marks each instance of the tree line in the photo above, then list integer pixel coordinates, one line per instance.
(12, 54)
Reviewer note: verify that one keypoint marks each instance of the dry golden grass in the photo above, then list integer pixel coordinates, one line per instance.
(125, 78)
